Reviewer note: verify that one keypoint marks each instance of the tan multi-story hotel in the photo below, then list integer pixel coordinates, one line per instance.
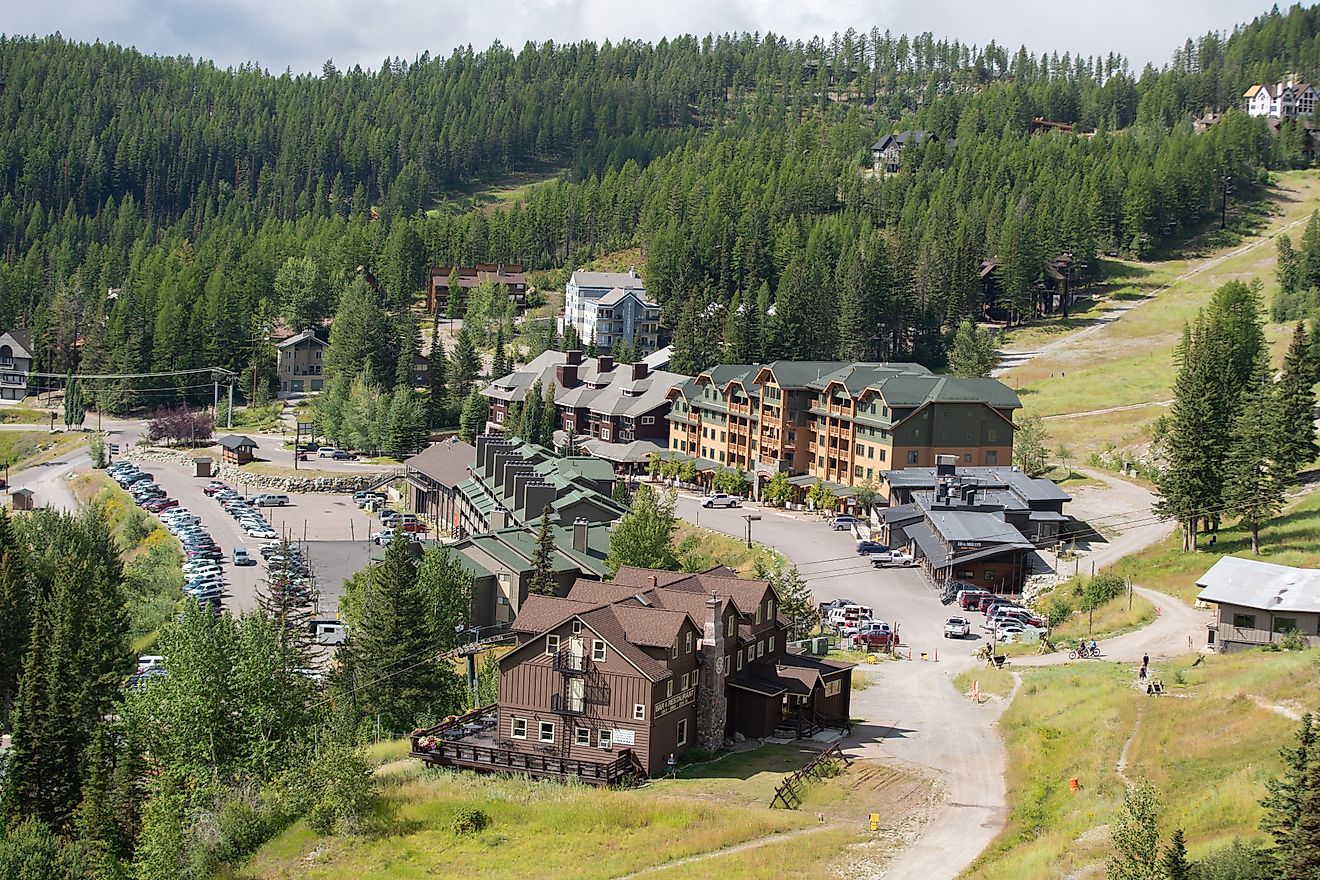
(842, 423)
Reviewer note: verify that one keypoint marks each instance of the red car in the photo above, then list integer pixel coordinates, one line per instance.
(874, 640)
(160, 504)
(413, 527)
(213, 487)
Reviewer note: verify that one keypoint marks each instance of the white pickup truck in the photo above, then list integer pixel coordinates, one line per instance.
(891, 559)
(721, 499)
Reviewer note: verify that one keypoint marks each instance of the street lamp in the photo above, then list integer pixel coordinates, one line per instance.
(751, 518)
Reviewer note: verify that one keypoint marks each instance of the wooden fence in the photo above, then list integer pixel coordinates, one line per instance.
(788, 794)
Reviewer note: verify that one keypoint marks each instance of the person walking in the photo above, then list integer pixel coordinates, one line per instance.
(1145, 660)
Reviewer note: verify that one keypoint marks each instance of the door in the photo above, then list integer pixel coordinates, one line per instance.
(577, 693)
(577, 650)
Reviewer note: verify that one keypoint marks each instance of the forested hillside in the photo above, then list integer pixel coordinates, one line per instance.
(734, 163)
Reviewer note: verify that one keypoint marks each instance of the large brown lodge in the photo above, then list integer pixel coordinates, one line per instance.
(610, 681)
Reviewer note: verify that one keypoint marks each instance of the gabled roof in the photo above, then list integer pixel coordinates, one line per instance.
(236, 441)
(541, 613)
(608, 280)
(22, 339)
(446, 462)
(305, 336)
(1263, 585)
(619, 294)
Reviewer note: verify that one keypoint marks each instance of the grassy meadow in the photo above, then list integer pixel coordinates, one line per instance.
(1207, 746)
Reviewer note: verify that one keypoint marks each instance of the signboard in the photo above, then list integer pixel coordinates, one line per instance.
(306, 427)
(678, 701)
(624, 737)
(832, 688)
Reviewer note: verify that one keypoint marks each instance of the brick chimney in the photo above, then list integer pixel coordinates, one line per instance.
(712, 702)
(580, 535)
(653, 581)
(604, 363)
(639, 370)
(567, 374)
(573, 358)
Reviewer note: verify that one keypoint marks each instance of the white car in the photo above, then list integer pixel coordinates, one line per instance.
(892, 559)
(957, 628)
(384, 536)
(721, 499)
(260, 531)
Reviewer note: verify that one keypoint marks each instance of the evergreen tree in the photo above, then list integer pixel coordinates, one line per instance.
(974, 353)
(74, 411)
(1253, 479)
(464, 368)
(161, 852)
(1285, 802)
(16, 610)
(409, 348)
(499, 365)
(644, 536)
(1190, 481)
(473, 420)
(437, 401)
(543, 580)
(1302, 861)
(360, 338)
(1174, 863)
(570, 442)
(300, 293)
(1296, 447)
(533, 407)
(546, 428)
(392, 673)
(795, 602)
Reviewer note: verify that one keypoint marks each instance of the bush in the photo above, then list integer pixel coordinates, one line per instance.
(341, 789)
(1055, 608)
(243, 828)
(470, 820)
(1240, 861)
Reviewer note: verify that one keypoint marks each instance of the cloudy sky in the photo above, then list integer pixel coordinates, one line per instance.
(302, 34)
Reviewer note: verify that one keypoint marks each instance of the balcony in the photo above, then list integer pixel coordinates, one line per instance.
(570, 663)
(562, 704)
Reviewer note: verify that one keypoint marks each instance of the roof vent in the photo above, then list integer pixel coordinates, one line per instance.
(642, 599)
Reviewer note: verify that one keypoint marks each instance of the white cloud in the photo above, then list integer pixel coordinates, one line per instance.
(302, 34)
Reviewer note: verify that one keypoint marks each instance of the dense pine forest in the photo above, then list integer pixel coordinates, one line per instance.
(734, 162)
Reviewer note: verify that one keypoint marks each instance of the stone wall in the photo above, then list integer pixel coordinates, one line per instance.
(229, 473)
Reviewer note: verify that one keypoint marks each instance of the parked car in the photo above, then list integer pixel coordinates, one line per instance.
(413, 526)
(843, 522)
(341, 455)
(213, 488)
(721, 499)
(891, 559)
(271, 499)
(875, 641)
(261, 532)
(957, 628)
(361, 498)
(326, 451)
(865, 547)
(969, 598)
(384, 536)
(388, 516)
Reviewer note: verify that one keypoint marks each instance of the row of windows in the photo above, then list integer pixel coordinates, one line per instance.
(687, 650)
(597, 645)
(1280, 624)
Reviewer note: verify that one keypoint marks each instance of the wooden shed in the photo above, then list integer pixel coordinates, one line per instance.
(22, 499)
(237, 448)
(203, 467)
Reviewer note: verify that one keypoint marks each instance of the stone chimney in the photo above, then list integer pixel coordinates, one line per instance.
(573, 358)
(639, 370)
(653, 581)
(712, 702)
(604, 363)
(580, 535)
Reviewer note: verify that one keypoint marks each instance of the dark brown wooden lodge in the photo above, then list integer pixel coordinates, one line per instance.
(610, 681)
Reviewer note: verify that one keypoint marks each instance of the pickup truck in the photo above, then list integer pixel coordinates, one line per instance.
(891, 559)
(875, 640)
(957, 628)
(721, 499)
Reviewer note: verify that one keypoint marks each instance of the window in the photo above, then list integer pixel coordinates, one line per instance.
(913, 456)
(770, 642)
(682, 731)
(684, 686)
(740, 661)
(992, 457)
(1285, 625)
(857, 471)
(669, 688)
(552, 645)
(883, 455)
(639, 712)
(581, 736)
(751, 653)
(577, 627)
(689, 642)
(760, 648)
(967, 458)
(758, 613)
(518, 728)
(1244, 621)
(728, 626)
(547, 731)
(598, 650)
(605, 738)
(648, 420)
(770, 609)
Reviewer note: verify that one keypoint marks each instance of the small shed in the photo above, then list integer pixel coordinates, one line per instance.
(203, 467)
(22, 499)
(238, 449)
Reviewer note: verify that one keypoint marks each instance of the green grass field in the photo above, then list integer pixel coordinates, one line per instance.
(1128, 362)
(558, 830)
(704, 548)
(1293, 538)
(1206, 746)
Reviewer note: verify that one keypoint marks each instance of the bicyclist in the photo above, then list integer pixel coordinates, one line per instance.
(1094, 650)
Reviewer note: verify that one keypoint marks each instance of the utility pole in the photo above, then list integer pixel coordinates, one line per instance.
(215, 398)
(1225, 182)
(231, 404)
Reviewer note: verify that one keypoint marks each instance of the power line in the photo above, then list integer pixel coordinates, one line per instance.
(211, 370)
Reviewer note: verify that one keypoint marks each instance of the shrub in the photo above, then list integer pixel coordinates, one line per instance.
(341, 789)
(243, 828)
(470, 820)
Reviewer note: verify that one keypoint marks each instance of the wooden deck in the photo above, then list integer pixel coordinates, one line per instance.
(469, 741)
